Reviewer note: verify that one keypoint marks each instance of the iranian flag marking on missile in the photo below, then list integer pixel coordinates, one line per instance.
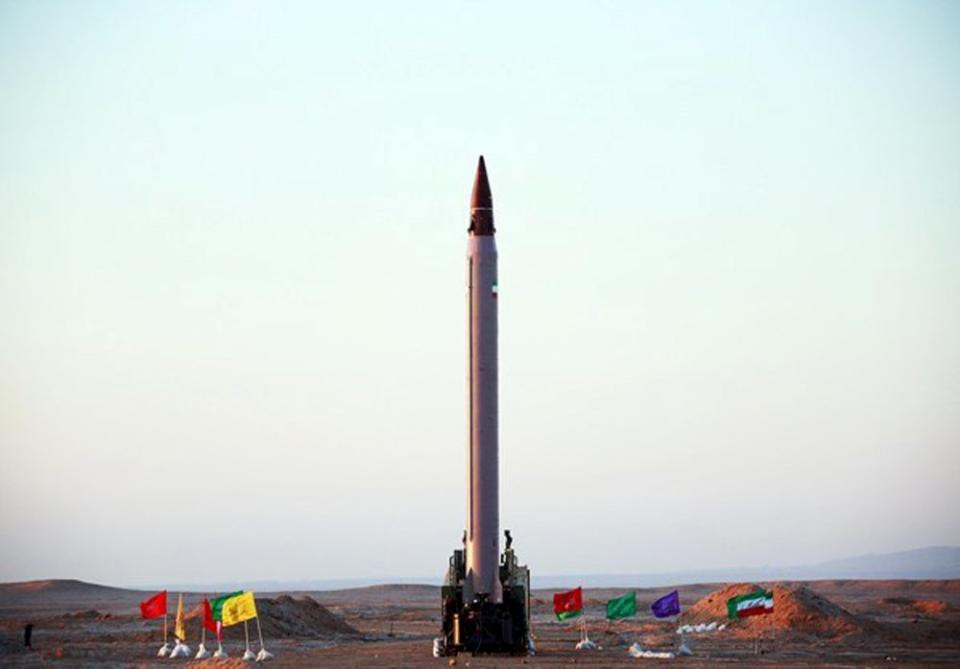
(753, 603)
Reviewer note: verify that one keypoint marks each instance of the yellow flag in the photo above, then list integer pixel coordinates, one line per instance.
(178, 628)
(239, 608)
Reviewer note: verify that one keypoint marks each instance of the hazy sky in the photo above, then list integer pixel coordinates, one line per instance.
(232, 275)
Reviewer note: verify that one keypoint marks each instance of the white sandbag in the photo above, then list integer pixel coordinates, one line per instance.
(636, 650)
(587, 644)
(700, 628)
(220, 653)
(264, 655)
(684, 649)
(249, 655)
(180, 650)
(164, 650)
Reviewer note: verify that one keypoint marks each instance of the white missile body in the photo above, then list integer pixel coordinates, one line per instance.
(483, 514)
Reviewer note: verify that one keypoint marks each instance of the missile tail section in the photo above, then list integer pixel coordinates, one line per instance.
(481, 626)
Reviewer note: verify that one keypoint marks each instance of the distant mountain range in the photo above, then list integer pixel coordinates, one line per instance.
(936, 562)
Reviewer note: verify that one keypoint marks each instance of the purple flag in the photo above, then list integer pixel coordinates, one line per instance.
(666, 606)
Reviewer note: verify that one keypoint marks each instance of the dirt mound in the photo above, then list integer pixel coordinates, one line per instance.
(71, 586)
(286, 616)
(406, 588)
(898, 601)
(89, 614)
(796, 609)
(931, 607)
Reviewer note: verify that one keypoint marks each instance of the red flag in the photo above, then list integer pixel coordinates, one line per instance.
(208, 621)
(568, 604)
(155, 607)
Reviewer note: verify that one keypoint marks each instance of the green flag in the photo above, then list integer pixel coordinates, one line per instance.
(216, 604)
(622, 607)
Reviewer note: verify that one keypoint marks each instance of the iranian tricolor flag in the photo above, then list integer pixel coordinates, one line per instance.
(754, 603)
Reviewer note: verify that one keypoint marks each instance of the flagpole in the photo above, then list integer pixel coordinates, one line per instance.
(165, 648)
(264, 654)
(248, 654)
(202, 652)
(219, 627)
(219, 652)
(259, 632)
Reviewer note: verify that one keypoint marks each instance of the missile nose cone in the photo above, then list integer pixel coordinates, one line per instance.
(481, 203)
(481, 188)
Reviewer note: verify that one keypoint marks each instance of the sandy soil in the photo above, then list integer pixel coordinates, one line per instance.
(819, 623)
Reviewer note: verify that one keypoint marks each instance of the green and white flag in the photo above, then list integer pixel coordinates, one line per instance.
(754, 603)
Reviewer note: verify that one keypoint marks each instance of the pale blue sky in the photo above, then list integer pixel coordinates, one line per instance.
(231, 283)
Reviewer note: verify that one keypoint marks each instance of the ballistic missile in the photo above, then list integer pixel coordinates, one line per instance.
(485, 597)
(483, 513)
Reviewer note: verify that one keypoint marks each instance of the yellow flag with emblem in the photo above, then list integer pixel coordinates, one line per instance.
(239, 608)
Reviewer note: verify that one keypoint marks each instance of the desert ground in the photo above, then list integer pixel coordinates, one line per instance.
(852, 623)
